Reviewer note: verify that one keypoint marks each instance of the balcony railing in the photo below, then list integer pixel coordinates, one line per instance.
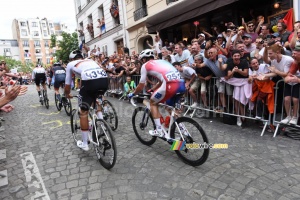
(170, 1)
(140, 13)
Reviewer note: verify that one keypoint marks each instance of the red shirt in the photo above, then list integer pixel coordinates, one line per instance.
(294, 68)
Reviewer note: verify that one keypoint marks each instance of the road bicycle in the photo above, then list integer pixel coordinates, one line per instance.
(44, 99)
(181, 130)
(100, 136)
(63, 102)
(109, 113)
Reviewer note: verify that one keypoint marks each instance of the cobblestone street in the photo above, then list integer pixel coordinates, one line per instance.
(43, 161)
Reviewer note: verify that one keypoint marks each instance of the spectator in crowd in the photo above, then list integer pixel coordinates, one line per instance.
(262, 88)
(283, 33)
(237, 75)
(194, 51)
(265, 31)
(295, 41)
(280, 66)
(117, 77)
(157, 45)
(202, 42)
(259, 50)
(204, 74)
(249, 46)
(250, 29)
(165, 53)
(191, 81)
(129, 86)
(181, 56)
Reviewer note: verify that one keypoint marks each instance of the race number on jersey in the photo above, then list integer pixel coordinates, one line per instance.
(94, 73)
(172, 76)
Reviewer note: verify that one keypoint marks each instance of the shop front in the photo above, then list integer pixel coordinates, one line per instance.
(185, 20)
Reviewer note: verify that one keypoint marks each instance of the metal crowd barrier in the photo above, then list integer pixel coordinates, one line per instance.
(214, 103)
(278, 116)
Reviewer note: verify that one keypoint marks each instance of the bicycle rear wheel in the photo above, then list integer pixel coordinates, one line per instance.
(57, 103)
(75, 125)
(192, 133)
(107, 150)
(142, 122)
(67, 105)
(46, 100)
(110, 114)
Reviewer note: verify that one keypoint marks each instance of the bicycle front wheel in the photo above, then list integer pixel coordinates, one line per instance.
(110, 114)
(106, 150)
(142, 122)
(192, 133)
(75, 125)
(67, 106)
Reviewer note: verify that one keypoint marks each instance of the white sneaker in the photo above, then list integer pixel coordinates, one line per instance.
(157, 133)
(294, 121)
(81, 146)
(239, 121)
(286, 120)
(194, 105)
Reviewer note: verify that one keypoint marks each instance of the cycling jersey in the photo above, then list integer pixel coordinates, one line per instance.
(93, 80)
(172, 82)
(85, 69)
(39, 75)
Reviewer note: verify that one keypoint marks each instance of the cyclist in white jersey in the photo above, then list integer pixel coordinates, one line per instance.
(93, 80)
(39, 77)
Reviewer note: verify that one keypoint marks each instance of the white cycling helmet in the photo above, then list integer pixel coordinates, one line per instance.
(75, 53)
(147, 53)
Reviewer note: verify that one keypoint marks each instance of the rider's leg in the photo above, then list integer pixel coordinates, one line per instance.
(156, 115)
(84, 125)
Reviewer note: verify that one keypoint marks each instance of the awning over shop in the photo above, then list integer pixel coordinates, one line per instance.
(185, 10)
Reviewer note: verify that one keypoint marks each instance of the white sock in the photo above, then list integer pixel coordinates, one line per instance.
(85, 137)
(157, 124)
(99, 115)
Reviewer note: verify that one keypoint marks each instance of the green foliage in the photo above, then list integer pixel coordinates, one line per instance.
(68, 43)
(22, 67)
(53, 40)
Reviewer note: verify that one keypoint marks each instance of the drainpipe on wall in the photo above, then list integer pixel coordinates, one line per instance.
(125, 42)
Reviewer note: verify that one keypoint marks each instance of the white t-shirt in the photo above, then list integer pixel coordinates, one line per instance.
(187, 72)
(262, 69)
(157, 46)
(183, 58)
(284, 64)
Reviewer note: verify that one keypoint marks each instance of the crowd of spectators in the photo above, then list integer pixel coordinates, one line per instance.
(245, 62)
(10, 87)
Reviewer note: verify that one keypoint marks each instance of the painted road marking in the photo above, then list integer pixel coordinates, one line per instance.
(53, 113)
(33, 177)
(58, 122)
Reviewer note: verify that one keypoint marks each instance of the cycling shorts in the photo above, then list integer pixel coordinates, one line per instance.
(40, 79)
(59, 80)
(167, 90)
(89, 92)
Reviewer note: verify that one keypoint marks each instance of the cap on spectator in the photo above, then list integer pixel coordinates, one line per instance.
(220, 36)
(275, 35)
(201, 34)
(297, 48)
(246, 36)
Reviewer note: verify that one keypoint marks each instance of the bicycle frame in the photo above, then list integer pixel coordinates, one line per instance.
(172, 117)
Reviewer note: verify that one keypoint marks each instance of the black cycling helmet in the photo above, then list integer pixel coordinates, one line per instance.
(75, 54)
(56, 64)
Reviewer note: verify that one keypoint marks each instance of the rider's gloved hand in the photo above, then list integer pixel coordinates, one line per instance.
(130, 95)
